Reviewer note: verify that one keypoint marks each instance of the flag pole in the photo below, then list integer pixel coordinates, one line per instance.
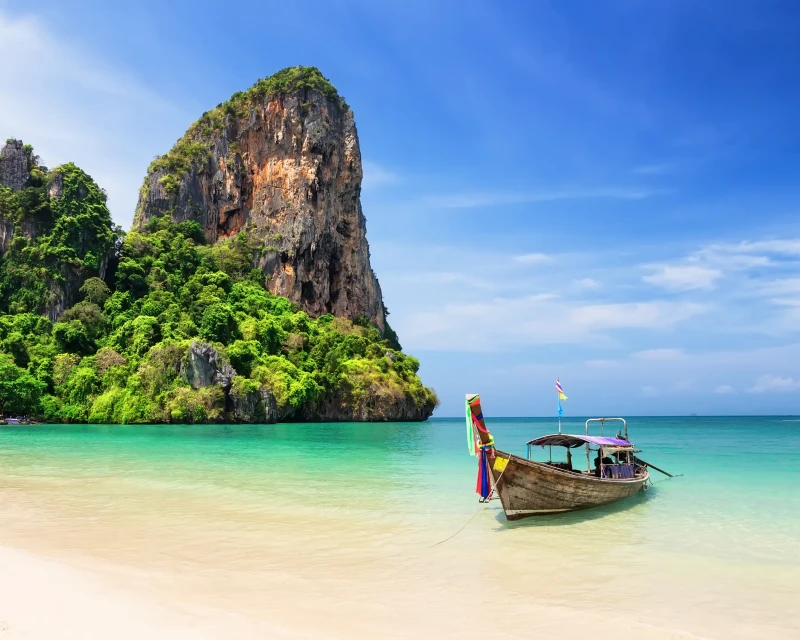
(559, 394)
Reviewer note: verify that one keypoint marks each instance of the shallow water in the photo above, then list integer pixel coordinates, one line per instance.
(331, 526)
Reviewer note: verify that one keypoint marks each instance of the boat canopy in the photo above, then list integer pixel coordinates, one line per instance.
(573, 441)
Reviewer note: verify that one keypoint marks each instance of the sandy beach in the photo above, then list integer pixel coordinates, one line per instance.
(42, 598)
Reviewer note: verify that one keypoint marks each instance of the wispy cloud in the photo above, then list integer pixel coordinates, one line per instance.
(493, 304)
(787, 246)
(768, 270)
(446, 278)
(502, 323)
(677, 371)
(532, 258)
(780, 287)
(468, 200)
(586, 283)
(659, 354)
(743, 256)
(682, 277)
(774, 383)
(701, 268)
(376, 176)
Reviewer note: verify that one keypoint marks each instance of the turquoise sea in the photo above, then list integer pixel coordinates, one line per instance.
(352, 513)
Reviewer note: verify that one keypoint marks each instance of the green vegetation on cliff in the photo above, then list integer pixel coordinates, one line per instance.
(54, 238)
(180, 332)
(192, 147)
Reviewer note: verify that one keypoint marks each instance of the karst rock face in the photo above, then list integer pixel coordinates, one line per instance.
(14, 174)
(14, 165)
(281, 161)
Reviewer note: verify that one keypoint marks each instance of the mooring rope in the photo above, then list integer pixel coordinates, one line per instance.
(677, 475)
(482, 505)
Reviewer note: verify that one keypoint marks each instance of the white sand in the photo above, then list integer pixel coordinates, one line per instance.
(43, 599)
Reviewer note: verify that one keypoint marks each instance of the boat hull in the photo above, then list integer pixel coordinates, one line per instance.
(529, 488)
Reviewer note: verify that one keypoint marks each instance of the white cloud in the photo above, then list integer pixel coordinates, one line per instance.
(535, 319)
(682, 277)
(659, 355)
(774, 383)
(724, 389)
(495, 305)
(445, 278)
(376, 176)
(742, 262)
(787, 246)
(72, 105)
(532, 258)
(498, 198)
(586, 283)
(781, 287)
(746, 255)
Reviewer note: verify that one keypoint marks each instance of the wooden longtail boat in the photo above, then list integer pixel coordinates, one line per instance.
(529, 488)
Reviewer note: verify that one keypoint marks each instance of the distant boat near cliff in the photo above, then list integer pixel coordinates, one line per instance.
(16, 421)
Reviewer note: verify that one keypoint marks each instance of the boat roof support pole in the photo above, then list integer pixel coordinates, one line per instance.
(588, 467)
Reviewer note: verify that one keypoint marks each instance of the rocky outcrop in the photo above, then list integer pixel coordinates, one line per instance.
(268, 405)
(246, 401)
(255, 406)
(14, 174)
(6, 234)
(63, 293)
(380, 405)
(283, 162)
(203, 367)
(14, 165)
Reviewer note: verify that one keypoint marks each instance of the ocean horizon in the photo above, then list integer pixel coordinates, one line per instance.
(633, 417)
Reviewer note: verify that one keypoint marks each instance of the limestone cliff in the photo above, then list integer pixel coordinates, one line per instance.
(281, 161)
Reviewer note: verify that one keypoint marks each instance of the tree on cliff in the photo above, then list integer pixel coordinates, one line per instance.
(61, 234)
(19, 390)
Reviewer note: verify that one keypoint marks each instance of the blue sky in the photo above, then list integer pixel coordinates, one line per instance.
(602, 191)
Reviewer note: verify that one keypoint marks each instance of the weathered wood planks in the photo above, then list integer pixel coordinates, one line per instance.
(529, 488)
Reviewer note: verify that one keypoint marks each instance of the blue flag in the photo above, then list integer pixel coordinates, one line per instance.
(560, 410)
